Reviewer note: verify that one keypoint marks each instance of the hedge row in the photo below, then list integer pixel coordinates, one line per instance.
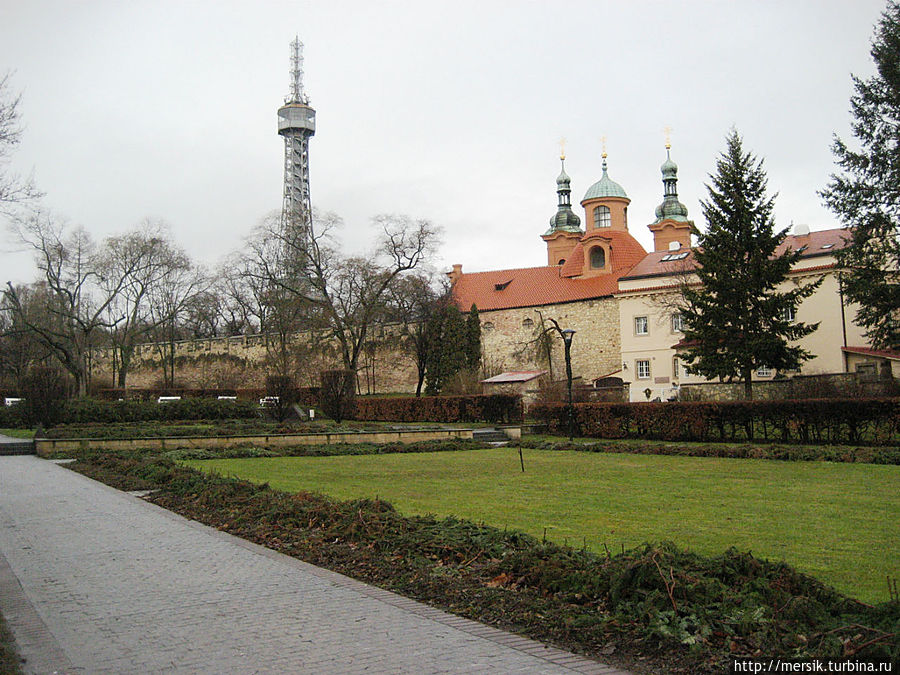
(87, 411)
(305, 395)
(820, 421)
(495, 408)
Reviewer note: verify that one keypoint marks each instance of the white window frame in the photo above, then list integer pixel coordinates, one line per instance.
(642, 322)
(602, 217)
(676, 368)
(789, 314)
(642, 365)
(677, 322)
(764, 371)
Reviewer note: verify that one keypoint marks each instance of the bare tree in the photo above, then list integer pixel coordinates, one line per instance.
(77, 302)
(342, 295)
(413, 301)
(19, 351)
(14, 189)
(169, 301)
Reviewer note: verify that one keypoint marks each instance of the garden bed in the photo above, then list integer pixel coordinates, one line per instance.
(654, 608)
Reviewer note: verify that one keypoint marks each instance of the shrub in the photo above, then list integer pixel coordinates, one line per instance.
(337, 395)
(282, 394)
(44, 389)
(832, 421)
(495, 408)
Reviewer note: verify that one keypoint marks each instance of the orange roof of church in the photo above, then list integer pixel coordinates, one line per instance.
(823, 242)
(550, 285)
(527, 287)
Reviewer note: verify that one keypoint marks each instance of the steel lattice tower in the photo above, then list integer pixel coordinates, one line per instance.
(297, 123)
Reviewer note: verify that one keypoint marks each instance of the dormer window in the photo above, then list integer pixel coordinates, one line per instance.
(598, 258)
(602, 217)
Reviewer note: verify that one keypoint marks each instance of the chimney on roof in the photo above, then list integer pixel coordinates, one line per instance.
(455, 273)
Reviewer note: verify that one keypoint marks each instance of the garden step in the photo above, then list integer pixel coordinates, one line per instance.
(489, 436)
(15, 446)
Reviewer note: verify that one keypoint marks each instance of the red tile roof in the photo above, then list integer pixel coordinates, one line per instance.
(526, 288)
(821, 243)
(531, 286)
(894, 355)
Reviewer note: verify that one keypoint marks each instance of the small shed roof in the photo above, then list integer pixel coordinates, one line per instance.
(515, 376)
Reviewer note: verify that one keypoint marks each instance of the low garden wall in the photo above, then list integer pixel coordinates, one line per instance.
(49, 446)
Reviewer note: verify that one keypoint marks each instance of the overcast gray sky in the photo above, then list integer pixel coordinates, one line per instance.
(446, 111)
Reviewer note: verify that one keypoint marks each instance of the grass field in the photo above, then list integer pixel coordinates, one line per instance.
(18, 433)
(838, 522)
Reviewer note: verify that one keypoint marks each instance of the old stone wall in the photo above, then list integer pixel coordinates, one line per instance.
(244, 361)
(508, 338)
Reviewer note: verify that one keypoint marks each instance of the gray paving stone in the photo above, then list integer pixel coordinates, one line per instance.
(93, 580)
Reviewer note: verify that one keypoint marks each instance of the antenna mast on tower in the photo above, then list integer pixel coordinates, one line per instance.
(297, 124)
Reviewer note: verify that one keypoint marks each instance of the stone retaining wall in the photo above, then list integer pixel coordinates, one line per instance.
(47, 446)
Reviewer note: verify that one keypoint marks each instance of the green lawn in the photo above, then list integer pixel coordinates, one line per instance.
(839, 522)
(18, 433)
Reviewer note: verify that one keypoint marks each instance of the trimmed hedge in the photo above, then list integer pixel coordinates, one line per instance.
(818, 421)
(92, 411)
(494, 408)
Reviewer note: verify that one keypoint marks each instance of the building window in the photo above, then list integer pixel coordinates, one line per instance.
(677, 323)
(764, 371)
(788, 314)
(642, 368)
(641, 325)
(527, 323)
(601, 216)
(562, 261)
(676, 368)
(487, 326)
(598, 258)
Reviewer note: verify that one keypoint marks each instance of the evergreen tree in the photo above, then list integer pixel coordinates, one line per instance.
(736, 319)
(447, 343)
(866, 196)
(473, 340)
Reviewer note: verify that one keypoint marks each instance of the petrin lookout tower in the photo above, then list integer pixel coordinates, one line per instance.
(297, 123)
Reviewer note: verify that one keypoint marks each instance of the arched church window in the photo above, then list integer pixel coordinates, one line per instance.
(598, 258)
(601, 216)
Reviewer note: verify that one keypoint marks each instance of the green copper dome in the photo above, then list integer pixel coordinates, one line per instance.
(605, 187)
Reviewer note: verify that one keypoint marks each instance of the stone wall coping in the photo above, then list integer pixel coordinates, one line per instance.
(43, 445)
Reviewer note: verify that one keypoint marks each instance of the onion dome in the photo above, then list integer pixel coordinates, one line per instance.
(671, 208)
(564, 219)
(605, 187)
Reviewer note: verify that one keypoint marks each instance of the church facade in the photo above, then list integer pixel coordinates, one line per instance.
(622, 300)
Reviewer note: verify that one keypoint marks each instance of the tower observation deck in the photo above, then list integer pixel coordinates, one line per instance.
(296, 123)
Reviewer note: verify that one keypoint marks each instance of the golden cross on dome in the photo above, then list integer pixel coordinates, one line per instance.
(668, 130)
(603, 144)
(562, 148)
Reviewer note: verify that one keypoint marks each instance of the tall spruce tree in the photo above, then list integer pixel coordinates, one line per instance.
(737, 318)
(866, 196)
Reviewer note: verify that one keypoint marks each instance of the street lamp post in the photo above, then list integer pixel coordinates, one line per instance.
(567, 336)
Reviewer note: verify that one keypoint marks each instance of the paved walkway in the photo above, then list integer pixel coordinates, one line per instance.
(93, 580)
